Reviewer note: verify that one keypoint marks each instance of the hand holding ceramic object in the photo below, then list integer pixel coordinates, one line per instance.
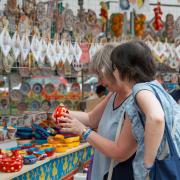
(11, 163)
(16, 45)
(5, 40)
(58, 113)
(25, 46)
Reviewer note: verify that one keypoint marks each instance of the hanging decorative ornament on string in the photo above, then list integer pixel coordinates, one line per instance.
(43, 49)
(104, 15)
(156, 23)
(57, 49)
(35, 45)
(25, 46)
(116, 24)
(16, 44)
(139, 24)
(5, 39)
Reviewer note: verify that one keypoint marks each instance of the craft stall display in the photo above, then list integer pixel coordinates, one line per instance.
(44, 54)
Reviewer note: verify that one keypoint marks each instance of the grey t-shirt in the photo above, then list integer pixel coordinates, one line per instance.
(107, 128)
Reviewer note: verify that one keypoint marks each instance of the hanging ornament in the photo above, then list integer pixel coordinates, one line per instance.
(35, 45)
(16, 44)
(50, 54)
(116, 24)
(157, 23)
(70, 55)
(169, 28)
(57, 50)
(5, 40)
(139, 24)
(65, 50)
(43, 49)
(77, 52)
(104, 15)
(25, 46)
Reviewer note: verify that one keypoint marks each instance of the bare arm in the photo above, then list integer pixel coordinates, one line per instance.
(122, 150)
(154, 127)
(92, 118)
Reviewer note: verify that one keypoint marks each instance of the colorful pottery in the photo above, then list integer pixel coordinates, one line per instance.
(25, 88)
(29, 159)
(58, 112)
(37, 88)
(11, 163)
(50, 151)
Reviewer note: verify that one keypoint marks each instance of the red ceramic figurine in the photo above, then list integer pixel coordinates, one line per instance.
(58, 112)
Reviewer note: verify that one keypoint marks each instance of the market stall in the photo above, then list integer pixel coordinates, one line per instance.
(59, 166)
(45, 49)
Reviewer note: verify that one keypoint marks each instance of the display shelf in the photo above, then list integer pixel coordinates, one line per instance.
(9, 143)
(37, 168)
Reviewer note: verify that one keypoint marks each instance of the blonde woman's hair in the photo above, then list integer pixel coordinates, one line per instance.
(101, 64)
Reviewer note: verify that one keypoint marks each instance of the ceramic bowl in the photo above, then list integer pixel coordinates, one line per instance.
(50, 151)
(30, 159)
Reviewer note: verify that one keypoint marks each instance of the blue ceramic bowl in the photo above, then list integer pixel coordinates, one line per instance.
(39, 152)
(30, 159)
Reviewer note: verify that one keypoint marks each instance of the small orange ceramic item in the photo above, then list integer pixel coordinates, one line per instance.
(59, 137)
(61, 149)
(58, 113)
(11, 163)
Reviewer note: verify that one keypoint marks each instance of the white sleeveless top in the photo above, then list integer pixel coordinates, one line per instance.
(107, 128)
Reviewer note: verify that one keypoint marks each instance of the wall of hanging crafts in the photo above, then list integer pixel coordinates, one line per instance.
(156, 24)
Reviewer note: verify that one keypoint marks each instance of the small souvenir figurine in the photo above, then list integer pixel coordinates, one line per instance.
(157, 24)
(58, 112)
(104, 15)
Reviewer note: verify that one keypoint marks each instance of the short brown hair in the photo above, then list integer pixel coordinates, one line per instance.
(134, 61)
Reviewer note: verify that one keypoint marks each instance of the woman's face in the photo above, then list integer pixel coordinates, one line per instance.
(111, 85)
(118, 79)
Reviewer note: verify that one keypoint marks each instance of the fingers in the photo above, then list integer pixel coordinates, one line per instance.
(66, 125)
(66, 115)
(65, 119)
(66, 130)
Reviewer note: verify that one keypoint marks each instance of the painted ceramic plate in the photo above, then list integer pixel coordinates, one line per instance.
(62, 88)
(37, 88)
(35, 105)
(46, 105)
(22, 106)
(25, 88)
(49, 88)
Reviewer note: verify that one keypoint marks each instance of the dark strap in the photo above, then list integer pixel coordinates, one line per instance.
(172, 148)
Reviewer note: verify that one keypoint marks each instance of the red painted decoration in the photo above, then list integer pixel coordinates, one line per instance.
(58, 113)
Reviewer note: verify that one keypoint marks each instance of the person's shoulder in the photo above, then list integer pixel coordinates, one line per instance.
(143, 86)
